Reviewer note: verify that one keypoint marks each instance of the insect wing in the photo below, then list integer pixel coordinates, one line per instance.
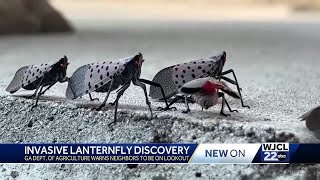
(34, 72)
(194, 86)
(90, 77)
(174, 77)
(16, 82)
(164, 78)
(183, 73)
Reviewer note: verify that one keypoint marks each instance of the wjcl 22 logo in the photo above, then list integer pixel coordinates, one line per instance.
(275, 152)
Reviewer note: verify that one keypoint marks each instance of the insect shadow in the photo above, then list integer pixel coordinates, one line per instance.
(90, 104)
(42, 98)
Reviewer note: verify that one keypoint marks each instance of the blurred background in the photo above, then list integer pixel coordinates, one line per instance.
(199, 10)
(254, 33)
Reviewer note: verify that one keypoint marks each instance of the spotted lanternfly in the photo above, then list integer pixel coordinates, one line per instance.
(167, 82)
(106, 77)
(39, 76)
(312, 119)
(205, 92)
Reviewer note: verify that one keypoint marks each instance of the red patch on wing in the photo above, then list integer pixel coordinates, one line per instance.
(210, 87)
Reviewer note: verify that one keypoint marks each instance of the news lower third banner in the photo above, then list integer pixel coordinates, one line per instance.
(264, 153)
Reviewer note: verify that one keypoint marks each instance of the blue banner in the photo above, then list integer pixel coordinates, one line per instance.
(264, 153)
(96, 153)
(293, 153)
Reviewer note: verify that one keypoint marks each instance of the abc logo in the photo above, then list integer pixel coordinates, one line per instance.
(274, 156)
(281, 156)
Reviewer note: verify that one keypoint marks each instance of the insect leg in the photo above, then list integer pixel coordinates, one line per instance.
(120, 93)
(175, 99)
(222, 104)
(91, 99)
(226, 102)
(47, 89)
(105, 100)
(37, 98)
(162, 92)
(233, 82)
(39, 94)
(137, 82)
(36, 91)
(187, 105)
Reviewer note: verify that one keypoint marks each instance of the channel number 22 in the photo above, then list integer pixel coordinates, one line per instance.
(270, 156)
